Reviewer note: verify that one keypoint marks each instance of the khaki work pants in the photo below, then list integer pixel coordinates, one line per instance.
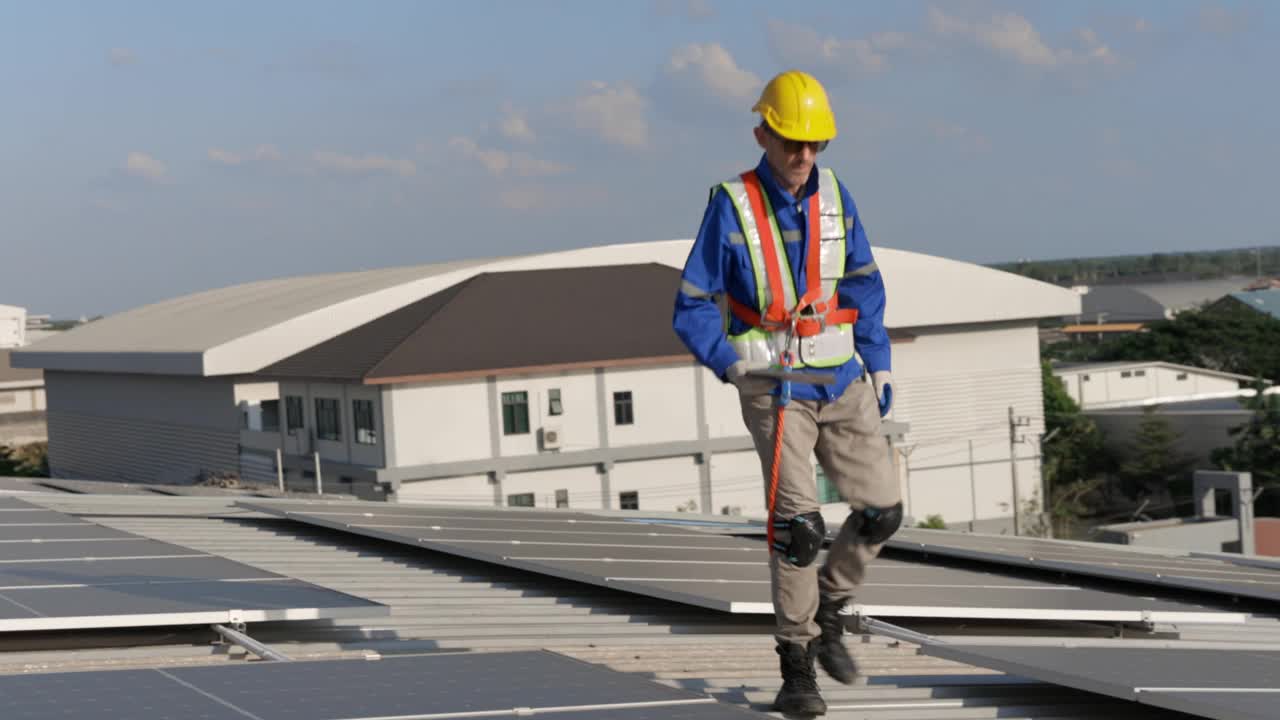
(846, 438)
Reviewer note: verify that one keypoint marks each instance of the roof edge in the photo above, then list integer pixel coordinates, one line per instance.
(528, 369)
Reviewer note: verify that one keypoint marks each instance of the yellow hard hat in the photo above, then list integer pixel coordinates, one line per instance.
(795, 105)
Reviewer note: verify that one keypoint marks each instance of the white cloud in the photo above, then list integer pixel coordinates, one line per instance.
(710, 68)
(146, 167)
(1013, 37)
(692, 9)
(363, 164)
(614, 113)
(516, 127)
(799, 45)
(501, 163)
(121, 56)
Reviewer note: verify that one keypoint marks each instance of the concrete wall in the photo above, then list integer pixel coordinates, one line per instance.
(345, 450)
(21, 400)
(584, 485)
(664, 403)
(13, 326)
(136, 428)
(954, 386)
(23, 428)
(1203, 535)
(439, 422)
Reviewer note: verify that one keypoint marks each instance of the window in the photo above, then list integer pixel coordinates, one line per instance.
(629, 500)
(562, 498)
(623, 413)
(293, 413)
(515, 413)
(1126, 373)
(520, 500)
(1182, 376)
(1084, 378)
(328, 425)
(362, 417)
(271, 416)
(827, 491)
(555, 407)
(1140, 373)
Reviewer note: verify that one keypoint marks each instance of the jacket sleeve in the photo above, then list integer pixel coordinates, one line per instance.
(863, 287)
(697, 319)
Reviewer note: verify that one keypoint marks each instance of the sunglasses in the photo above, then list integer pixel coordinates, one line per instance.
(795, 146)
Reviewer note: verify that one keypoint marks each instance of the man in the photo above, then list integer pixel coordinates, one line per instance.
(784, 244)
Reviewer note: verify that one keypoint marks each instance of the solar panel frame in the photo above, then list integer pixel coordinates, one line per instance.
(1223, 683)
(1164, 569)
(437, 685)
(665, 563)
(65, 573)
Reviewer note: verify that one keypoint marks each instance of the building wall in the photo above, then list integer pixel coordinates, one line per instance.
(344, 450)
(1139, 383)
(13, 326)
(664, 404)
(439, 422)
(140, 428)
(954, 386)
(463, 490)
(582, 483)
(737, 484)
(578, 424)
(23, 428)
(665, 485)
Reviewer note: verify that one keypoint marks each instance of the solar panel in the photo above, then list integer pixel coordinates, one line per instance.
(444, 685)
(1170, 569)
(714, 571)
(58, 572)
(1227, 684)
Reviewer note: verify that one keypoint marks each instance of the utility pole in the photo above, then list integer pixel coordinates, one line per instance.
(1015, 422)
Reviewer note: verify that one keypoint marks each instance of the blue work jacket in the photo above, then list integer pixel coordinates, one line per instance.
(715, 267)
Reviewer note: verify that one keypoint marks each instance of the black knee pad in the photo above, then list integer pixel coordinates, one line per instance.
(874, 525)
(807, 531)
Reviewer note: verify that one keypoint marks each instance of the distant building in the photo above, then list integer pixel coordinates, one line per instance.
(1149, 302)
(526, 381)
(22, 404)
(1265, 301)
(1134, 384)
(13, 326)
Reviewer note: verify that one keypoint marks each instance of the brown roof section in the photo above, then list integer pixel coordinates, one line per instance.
(509, 322)
(12, 374)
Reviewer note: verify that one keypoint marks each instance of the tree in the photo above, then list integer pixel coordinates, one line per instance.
(1074, 460)
(1154, 465)
(1257, 442)
(30, 460)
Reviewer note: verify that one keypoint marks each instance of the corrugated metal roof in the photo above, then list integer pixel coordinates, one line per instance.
(242, 329)
(507, 321)
(440, 602)
(1267, 301)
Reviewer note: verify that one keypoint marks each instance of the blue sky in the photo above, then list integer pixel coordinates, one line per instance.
(152, 149)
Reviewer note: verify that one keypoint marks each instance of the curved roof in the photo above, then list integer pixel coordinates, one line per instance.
(243, 328)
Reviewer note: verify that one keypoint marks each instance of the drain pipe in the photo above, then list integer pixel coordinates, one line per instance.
(237, 637)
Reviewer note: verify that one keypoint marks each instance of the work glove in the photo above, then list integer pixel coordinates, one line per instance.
(882, 381)
(736, 372)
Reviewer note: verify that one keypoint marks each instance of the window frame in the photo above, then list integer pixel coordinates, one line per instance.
(533, 501)
(518, 402)
(356, 428)
(624, 409)
(294, 406)
(634, 500)
(331, 406)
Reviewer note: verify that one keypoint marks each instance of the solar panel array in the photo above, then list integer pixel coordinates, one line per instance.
(716, 571)
(59, 572)
(1214, 683)
(1097, 560)
(443, 685)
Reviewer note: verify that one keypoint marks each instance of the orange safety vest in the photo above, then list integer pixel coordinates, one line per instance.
(823, 331)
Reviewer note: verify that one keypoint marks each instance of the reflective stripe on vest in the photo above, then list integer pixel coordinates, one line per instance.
(825, 332)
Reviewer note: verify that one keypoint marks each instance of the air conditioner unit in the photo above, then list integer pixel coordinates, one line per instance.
(551, 437)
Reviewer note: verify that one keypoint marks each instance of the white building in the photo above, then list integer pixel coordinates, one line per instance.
(1096, 386)
(13, 326)
(400, 381)
(22, 404)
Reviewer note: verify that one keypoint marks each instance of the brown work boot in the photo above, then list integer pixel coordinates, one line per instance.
(799, 693)
(832, 654)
